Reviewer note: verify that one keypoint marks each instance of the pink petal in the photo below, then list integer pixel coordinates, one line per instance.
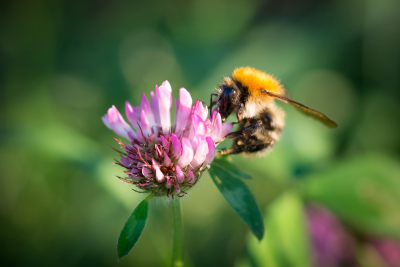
(180, 176)
(106, 122)
(154, 107)
(176, 111)
(128, 147)
(125, 161)
(190, 176)
(214, 113)
(140, 137)
(159, 175)
(117, 123)
(147, 156)
(145, 125)
(195, 142)
(140, 165)
(167, 86)
(145, 106)
(216, 133)
(133, 158)
(133, 161)
(164, 142)
(209, 127)
(147, 172)
(176, 147)
(132, 115)
(167, 160)
(158, 150)
(226, 128)
(201, 152)
(183, 110)
(168, 184)
(200, 110)
(164, 98)
(211, 151)
(135, 171)
(190, 130)
(187, 153)
(152, 138)
(198, 125)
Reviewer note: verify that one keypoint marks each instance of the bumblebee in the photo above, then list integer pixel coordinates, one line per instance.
(251, 94)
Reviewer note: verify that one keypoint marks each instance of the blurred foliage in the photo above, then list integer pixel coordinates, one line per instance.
(363, 191)
(286, 240)
(63, 63)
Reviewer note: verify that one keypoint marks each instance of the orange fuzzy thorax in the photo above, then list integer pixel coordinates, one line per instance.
(256, 81)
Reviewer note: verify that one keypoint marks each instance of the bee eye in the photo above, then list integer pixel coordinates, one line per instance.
(228, 91)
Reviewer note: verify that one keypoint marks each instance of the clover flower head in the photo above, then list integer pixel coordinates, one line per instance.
(161, 157)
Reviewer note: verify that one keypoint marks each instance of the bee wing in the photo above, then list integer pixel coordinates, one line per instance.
(305, 110)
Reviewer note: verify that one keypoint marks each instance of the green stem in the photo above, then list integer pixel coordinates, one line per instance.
(178, 233)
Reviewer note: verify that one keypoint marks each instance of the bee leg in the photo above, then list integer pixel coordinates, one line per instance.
(233, 135)
(239, 112)
(231, 151)
(211, 102)
(248, 130)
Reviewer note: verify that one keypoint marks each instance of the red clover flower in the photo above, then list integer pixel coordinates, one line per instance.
(164, 158)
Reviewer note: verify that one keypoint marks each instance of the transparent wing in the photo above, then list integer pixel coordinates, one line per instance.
(305, 110)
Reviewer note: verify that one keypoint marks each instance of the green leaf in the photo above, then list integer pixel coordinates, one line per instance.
(240, 198)
(224, 164)
(286, 238)
(133, 229)
(363, 191)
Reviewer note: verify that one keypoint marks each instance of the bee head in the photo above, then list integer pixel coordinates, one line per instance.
(229, 98)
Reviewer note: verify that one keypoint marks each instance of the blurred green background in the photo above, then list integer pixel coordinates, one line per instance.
(64, 63)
